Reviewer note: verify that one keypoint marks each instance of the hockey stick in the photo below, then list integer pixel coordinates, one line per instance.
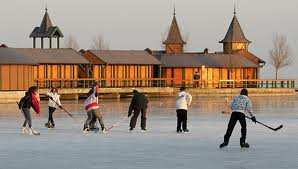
(67, 112)
(274, 129)
(117, 123)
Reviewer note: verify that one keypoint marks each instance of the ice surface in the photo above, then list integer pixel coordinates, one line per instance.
(66, 147)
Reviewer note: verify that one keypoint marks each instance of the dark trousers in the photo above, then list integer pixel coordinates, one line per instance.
(181, 119)
(28, 119)
(89, 119)
(136, 113)
(233, 120)
(94, 115)
(51, 119)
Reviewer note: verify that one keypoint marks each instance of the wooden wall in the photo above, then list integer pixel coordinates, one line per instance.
(16, 77)
(50, 75)
(230, 47)
(49, 71)
(123, 75)
(174, 48)
(210, 76)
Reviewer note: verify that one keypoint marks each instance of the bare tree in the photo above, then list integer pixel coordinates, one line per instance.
(280, 54)
(98, 43)
(71, 42)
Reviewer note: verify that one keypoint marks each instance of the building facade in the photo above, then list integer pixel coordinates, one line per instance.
(172, 67)
(122, 68)
(204, 69)
(16, 71)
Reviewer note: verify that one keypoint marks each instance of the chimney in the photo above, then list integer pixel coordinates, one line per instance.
(3, 46)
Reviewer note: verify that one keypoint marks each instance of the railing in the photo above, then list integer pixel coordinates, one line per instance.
(164, 82)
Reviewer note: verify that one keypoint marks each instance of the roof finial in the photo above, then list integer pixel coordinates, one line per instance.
(174, 10)
(46, 8)
(235, 7)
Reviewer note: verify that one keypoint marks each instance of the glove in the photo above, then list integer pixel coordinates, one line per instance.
(253, 118)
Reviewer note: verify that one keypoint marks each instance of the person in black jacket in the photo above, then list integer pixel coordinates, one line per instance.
(139, 104)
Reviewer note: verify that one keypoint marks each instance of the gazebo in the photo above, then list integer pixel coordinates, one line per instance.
(46, 30)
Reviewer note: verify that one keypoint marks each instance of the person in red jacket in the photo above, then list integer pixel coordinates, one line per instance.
(30, 100)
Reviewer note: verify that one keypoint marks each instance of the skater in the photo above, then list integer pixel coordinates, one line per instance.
(240, 105)
(183, 101)
(54, 103)
(92, 108)
(30, 99)
(139, 104)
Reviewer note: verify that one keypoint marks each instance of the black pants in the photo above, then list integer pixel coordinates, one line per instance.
(136, 113)
(233, 120)
(181, 119)
(28, 119)
(51, 119)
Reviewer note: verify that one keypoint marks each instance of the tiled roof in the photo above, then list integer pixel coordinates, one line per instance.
(174, 35)
(11, 56)
(46, 28)
(139, 57)
(53, 56)
(215, 60)
(235, 33)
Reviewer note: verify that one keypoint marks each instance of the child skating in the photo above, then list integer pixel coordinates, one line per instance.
(183, 101)
(54, 103)
(30, 100)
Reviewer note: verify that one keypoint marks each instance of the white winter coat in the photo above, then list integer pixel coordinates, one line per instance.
(56, 98)
(184, 100)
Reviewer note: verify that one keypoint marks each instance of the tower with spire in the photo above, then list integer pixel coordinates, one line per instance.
(174, 43)
(46, 30)
(235, 39)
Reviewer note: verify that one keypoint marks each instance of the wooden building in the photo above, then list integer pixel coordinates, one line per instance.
(204, 69)
(122, 68)
(16, 70)
(56, 67)
(24, 67)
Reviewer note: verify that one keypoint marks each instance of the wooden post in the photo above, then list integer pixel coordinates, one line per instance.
(34, 42)
(50, 43)
(41, 43)
(58, 43)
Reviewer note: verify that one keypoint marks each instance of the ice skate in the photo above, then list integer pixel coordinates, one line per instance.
(25, 130)
(186, 131)
(244, 145)
(34, 132)
(179, 131)
(104, 131)
(30, 132)
(46, 125)
(86, 130)
(222, 145)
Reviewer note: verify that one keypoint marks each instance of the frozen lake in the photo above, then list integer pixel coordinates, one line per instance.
(66, 147)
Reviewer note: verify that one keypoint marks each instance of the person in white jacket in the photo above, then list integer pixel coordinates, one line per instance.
(183, 101)
(54, 103)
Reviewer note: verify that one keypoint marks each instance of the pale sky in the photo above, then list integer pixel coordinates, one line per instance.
(138, 24)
